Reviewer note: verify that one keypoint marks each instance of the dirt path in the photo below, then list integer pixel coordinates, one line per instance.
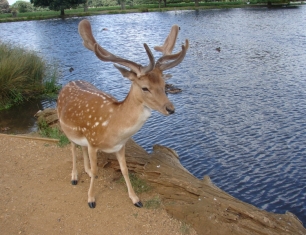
(37, 197)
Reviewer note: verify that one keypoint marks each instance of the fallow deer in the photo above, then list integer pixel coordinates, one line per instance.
(96, 121)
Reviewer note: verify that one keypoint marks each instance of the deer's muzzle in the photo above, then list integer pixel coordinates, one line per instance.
(170, 108)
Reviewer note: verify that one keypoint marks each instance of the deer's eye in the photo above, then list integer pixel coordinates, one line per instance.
(145, 89)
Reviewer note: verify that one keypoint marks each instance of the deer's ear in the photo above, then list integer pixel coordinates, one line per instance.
(126, 73)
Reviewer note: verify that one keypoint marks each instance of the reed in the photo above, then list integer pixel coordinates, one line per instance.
(23, 75)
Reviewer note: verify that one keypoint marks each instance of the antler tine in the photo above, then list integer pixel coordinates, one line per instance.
(86, 34)
(169, 43)
(177, 58)
(167, 48)
(151, 65)
(140, 70)
(90, 43)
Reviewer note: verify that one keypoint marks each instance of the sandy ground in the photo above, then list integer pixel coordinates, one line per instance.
(37, 197)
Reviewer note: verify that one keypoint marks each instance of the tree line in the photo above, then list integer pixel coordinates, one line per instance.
(61, 5)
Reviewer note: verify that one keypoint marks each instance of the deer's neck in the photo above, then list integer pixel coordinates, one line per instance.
(133, 107)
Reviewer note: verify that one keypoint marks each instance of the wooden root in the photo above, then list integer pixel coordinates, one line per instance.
(200, 203)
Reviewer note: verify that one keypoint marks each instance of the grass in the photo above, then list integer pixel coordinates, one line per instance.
(153, 203)
(185, 228)
(53, 133)
(24, 80)
(139, 185)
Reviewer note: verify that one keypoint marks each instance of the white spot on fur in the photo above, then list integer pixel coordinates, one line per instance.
(105, 123)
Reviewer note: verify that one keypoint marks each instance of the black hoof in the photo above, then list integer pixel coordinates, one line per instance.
(74, 182)
(138, 204)
(92, 204)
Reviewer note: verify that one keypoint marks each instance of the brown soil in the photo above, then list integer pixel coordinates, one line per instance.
(37, 197)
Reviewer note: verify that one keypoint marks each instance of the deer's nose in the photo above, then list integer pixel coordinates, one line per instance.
(170, 109)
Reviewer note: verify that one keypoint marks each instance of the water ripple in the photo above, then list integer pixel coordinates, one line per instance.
(241, 117)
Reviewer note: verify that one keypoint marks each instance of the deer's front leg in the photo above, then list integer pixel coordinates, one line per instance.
(92, 152)
(121, 159)
(74, 173)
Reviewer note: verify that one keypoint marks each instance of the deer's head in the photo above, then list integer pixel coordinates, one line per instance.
(147, 80)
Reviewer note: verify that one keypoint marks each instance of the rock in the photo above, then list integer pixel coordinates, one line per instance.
(49, 115)
(171, 89)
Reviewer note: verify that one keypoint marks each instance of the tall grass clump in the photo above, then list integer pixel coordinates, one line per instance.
(23, 75)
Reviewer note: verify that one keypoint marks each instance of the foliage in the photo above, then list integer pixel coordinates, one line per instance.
(153, 203)
(53, 133)
(100, 3)
(23, 6)
(24, 80)
(50, 80)
(4, 6)
(139, 185)
(58, 5)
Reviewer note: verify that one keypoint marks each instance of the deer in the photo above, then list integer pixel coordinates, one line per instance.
(96, 121)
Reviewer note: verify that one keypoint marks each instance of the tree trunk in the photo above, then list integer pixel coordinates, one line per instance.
(86, 6)
(196, 3)
(165, 3)
(62, 11)
(122, 2)
(200, 203)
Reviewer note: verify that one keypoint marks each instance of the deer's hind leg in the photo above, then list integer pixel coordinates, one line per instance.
(86, 160)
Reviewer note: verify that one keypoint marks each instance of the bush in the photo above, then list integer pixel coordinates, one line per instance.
(23, 80)
(23, 6)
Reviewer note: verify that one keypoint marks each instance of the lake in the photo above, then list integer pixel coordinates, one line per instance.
(241, 117)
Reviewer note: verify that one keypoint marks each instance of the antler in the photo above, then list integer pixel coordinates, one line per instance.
(167, 48)
(90, 43)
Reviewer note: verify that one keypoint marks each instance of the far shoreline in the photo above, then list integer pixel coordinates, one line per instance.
(142, 9)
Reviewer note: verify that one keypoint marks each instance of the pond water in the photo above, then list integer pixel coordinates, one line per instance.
(241, 117)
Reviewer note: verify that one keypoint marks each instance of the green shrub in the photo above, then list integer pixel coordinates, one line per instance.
(23, 75)
(23, 6)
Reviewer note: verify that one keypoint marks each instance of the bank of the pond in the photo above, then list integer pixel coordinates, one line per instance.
(29, 78)
(185, 205)
(116, 10)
